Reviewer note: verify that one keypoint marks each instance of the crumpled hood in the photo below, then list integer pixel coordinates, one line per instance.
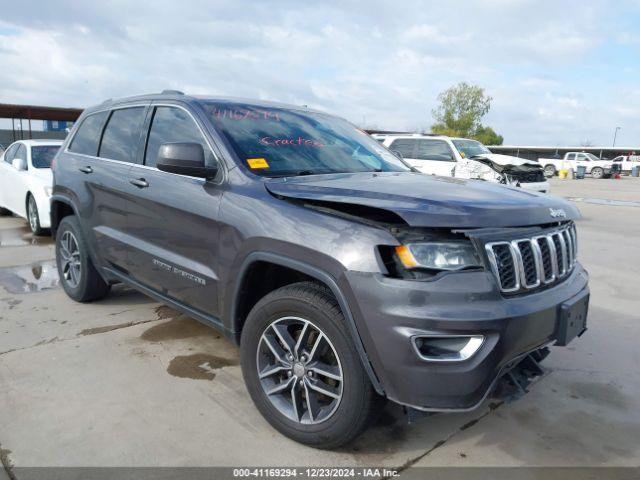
(508, 160)
(430, 201)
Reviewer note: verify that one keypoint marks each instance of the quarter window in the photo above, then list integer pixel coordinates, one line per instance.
(87, 138)
(21, 153)
(11, 153)
(122, 134)
(171, 125)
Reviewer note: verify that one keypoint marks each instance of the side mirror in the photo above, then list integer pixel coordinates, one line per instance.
(19, 164)
(184, 159)
(397, 154)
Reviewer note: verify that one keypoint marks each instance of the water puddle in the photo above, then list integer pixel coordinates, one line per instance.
(199, 366)
(178, 328)
(30, 278)
(20, 237)
(605, 201)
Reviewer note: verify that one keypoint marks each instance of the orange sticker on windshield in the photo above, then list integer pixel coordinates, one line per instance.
(255, 163)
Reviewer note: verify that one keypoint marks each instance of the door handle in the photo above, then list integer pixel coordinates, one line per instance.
(87, 169)
(139, 182)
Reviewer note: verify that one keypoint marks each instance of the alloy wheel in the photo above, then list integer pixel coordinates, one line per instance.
(299, 370)
(32, 214)
(71, 264)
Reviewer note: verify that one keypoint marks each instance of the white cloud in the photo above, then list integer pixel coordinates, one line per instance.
(377, 62)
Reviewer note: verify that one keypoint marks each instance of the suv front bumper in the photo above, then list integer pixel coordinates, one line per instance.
(389, 313)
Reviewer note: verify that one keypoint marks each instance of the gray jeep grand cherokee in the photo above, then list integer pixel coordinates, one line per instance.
(344, 276)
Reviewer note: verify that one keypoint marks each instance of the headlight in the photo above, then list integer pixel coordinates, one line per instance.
(439, 255)
(48, 191)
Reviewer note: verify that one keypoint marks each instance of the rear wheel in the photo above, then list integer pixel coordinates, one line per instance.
(4, 212)
(79, 278)
(597, 172)
(549, 171)
(302, 369)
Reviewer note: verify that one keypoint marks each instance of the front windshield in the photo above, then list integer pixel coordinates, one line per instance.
(470, 148)
(41, 156)
(281, 142)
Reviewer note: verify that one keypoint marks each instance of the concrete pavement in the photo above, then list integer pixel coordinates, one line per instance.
(127, 382)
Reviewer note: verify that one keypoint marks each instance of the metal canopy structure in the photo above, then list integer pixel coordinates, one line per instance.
(34, 112)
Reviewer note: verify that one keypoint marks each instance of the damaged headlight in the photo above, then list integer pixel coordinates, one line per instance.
(439, 255)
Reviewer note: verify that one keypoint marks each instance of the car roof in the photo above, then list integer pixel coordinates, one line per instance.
(40, 141)
(174, 95)
(409, 135)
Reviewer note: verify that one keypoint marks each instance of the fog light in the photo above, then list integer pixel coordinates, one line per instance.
(447, 348)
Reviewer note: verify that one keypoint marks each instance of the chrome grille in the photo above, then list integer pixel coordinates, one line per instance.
(528, 263)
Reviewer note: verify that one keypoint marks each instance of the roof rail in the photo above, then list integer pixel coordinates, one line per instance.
(172, 92)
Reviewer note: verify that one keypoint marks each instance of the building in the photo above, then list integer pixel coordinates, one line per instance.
(535, 152)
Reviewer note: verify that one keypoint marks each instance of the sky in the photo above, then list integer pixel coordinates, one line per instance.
(559, 72)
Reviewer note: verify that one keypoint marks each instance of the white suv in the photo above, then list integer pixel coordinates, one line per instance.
(464, 158)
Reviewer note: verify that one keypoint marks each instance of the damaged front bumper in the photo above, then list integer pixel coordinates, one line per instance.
(392, 312)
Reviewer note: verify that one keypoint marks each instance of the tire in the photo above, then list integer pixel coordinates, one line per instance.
(340, 420)
(79, 278)
(33, 217)
(597, 173)
(5, 213)
(549, 171)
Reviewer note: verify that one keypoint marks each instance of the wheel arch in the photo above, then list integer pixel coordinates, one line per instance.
(60, 208)
(308, 271)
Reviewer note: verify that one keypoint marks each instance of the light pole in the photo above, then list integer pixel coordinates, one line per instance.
(615, 134)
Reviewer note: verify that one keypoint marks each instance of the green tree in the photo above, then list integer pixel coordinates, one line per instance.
(460, 111)
(487, 136)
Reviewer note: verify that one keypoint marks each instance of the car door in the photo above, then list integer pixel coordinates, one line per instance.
(408, 148)
(17, 183)
(582, 161)
(435, 156)
(173, 220)
(100, 156)
(7, 174)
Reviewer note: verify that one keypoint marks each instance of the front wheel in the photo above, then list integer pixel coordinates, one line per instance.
(597, 172)
(302, 369)
(33, 217)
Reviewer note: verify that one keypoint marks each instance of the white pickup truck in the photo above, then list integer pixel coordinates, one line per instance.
(572, 160)
(627, 162)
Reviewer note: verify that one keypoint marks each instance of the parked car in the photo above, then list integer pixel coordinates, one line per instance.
(26, 181)
(465, 158)
(596, 167)
(344, 276)
(626, 162)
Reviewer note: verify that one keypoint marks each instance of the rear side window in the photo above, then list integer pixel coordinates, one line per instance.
(434, 150)
(170, 125)
(406, 147)
(122, 134)
(87, 137)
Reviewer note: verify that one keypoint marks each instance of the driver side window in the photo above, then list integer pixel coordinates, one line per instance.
(172, 125)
